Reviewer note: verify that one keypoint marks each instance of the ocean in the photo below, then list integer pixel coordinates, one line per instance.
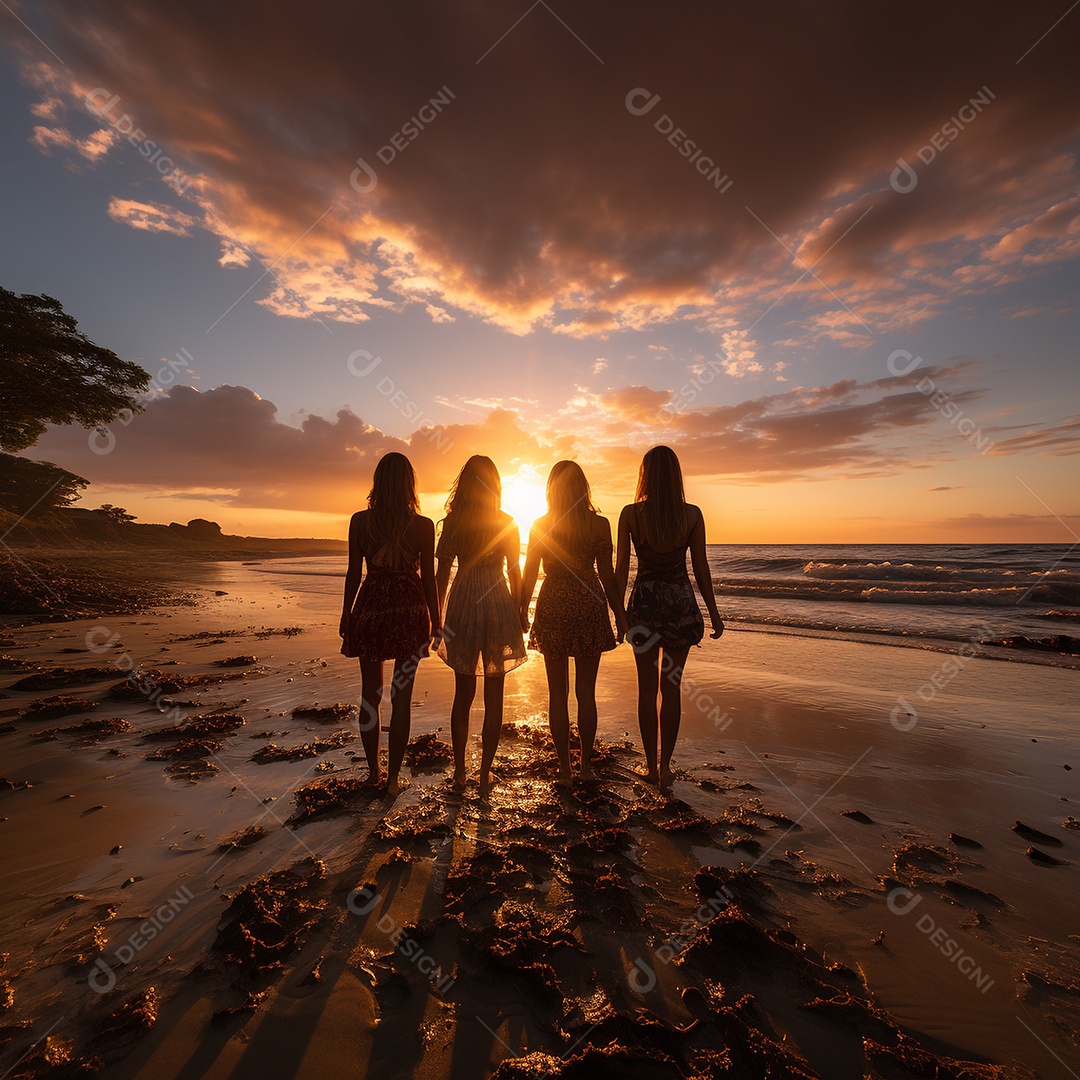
(1017, 601)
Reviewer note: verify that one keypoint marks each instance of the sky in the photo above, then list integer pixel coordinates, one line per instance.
(827, 252)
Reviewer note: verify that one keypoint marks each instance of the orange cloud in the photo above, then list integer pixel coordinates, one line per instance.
(531, 201)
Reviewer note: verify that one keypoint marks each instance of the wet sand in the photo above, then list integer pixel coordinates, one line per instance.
(196, 884)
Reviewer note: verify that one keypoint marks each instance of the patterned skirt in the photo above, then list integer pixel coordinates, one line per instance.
(571, 617)
(389, 619)
(666, 610)
(481, 628)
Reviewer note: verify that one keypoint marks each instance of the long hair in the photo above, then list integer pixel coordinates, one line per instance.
(570, 508)
(474, 519)
(662, 513)
(392, 503)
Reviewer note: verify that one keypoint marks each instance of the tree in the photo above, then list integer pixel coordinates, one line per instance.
(29, 488)
(115, 513)
(51, 373)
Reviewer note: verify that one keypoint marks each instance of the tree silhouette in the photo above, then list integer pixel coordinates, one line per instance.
(51, 373)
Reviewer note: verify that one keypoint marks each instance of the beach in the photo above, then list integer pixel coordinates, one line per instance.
(196, 885)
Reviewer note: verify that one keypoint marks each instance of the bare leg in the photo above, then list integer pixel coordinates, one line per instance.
(585, 669)
(558, 677)
(371, 691)
(464, 692)
(647, 659)
(493, 717)
(670, 708)
(400, 718)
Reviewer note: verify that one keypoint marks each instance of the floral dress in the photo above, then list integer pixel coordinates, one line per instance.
(571, 611)
(389, 618)
(662, 602)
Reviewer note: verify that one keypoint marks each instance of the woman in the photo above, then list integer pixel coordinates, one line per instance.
(574, 544)
(394, 613)
(663, 613)
(481, 634)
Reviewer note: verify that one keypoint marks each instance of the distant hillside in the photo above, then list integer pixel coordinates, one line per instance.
(75, 529)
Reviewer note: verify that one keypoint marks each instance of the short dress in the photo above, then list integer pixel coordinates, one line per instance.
(571, 611)
(662, 601)
(481, 627)
(389, 618)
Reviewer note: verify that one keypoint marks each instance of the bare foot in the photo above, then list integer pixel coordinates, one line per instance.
(586, 774)
(566, 777)
(458, 782)
(650, 777)
(667, 778)
(374, 778)
(487, 782)
(395, 785)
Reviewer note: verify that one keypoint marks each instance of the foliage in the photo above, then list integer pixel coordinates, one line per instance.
(115, 513)
(51, 373)
(30, 488)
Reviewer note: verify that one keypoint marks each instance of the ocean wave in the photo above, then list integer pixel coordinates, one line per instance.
(951, 593)
(930, 572)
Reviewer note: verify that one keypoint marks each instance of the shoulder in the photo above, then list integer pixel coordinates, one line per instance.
(626, 515)
(601, 527)
(424, 525)
(694, 514)
(357, 521)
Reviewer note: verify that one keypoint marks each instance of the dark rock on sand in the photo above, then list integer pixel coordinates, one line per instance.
(1042, 858)
(857, 815)
(243, 838)
(1035, 835)
(964, 841)
(237, 661)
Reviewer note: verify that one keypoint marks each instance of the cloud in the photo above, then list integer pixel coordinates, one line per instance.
(534, 197)
(151, 217)
(229, 442)
(1060, 440)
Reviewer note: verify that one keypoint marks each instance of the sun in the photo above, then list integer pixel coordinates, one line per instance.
(524, 497)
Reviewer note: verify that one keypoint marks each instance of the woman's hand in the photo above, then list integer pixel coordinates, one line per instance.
(523, 618)
(436, 637)
(717, 626)
(344, 624)
(622, 628)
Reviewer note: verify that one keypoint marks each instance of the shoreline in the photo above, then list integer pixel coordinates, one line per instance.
(762, 799)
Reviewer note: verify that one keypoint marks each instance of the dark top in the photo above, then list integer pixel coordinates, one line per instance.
(658, 564)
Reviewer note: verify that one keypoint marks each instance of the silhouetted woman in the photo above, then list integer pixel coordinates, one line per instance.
(481, 632)
(573, 542)
(394, 613)
(663, 613)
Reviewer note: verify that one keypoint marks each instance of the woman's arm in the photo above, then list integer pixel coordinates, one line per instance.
(702, 574)
(532, 572)
(622, 558)
(513, 559)
(355, 572)
(607, 577)
(427, 573)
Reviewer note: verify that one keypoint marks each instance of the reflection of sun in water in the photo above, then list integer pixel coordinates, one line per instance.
(524, 497)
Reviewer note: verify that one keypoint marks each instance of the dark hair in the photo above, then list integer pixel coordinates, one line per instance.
(392, 503)
(662, 499)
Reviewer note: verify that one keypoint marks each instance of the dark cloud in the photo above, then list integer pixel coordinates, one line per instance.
(536, 197)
